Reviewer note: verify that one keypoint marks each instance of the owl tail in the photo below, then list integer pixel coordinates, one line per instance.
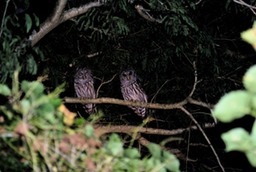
(90, 108)
(141, 112)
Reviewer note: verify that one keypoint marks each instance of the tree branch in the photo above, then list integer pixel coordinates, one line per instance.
(73, 12)
(103, 83)
(3, 18)
(241, 2)
(59, 16)
(144, 13)
(107, 100)
(205, 136)
(101, 130)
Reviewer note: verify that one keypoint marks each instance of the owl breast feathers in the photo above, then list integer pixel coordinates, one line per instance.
(84, 87)
(132, 91)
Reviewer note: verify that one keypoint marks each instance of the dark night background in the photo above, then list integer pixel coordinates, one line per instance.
(207, 33)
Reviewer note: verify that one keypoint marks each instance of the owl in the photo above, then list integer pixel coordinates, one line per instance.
(84, 87)
(132, 91)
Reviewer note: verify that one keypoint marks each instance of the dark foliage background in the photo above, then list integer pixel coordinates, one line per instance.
(113, 37)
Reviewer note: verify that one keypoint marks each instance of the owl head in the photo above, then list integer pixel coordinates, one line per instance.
(83, 75)
(128, 77)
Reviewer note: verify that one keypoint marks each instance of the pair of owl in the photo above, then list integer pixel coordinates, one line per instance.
(130, 88)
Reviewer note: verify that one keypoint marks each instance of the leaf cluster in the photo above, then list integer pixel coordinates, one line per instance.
(15, 48)
(237, 104)
(46, 136)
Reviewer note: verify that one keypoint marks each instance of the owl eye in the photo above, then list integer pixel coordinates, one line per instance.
(130, 73)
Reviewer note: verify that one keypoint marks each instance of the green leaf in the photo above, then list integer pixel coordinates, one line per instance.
(149, 164)
(250, 36)
(37, 21)
(34, 88)
(114, 146)
(132, 153)
(80, 121)
(31, 66)
(25, 106)
(237, 139)
(155, 150)
(232, 106)
(7, 112)
(253, 133)
(4, 90)
(89, 130)
(251, 156)
(249, 79)
(253, 113)
(171, 162)
(28, 22)
(56, 102)
(47, 112)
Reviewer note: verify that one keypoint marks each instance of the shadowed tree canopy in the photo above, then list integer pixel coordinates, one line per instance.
(186, 53)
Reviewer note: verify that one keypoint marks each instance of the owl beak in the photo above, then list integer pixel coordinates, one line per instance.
(129, 77)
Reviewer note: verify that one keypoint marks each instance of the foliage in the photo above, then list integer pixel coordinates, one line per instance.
(237, 104)
(45, 136)
(15, 48)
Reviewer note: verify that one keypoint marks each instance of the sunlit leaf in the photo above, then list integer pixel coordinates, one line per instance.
(68, 116)
(249, 79)
(132, 153)
(237, 139)
(89, 130)
(155, 150)
(32, 89)
(114, 146)
(80, 121)
(232, 106)
(47, 111)
(251, 156)
(25, 106)
(250, 36)
(4, 90)
(56, 102)
(171, 162)
(253, 133)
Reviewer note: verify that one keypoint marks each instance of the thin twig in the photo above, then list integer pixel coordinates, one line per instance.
(189, 137)
(159, 90)
(5, 10)
(199, 103)
(252, 8)
(205, 136)
(103, 83)
(195, 80)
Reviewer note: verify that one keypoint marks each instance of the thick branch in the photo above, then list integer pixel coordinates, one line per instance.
(101, 130)
(80, 10)
(107, 100)
(58, 10)
(59, 16)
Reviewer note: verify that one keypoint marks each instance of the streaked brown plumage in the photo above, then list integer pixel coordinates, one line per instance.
(132, 91)
(84, 87)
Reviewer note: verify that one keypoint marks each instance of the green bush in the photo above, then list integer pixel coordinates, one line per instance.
(46, 136)
(237, 104)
